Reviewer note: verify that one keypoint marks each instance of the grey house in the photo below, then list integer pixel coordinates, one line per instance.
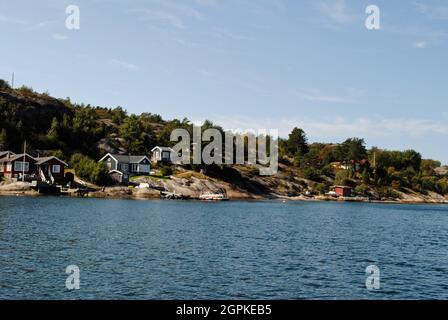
(161, 154)
(122, 167)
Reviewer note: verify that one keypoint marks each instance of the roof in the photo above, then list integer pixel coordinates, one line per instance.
(42, 160)
(3, 153)
(15, 157)
(342, 187)
(441, 171)
(122, 158)
(162, 149)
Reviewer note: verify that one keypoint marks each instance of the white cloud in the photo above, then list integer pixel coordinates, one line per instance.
(168, 13)
(221, 33)
(59, 37)
(315, 95)
(161, 17)
(420, 45)
(123, 64)
(339, 128)
(6, 19)
(336, 10)
(435, 12)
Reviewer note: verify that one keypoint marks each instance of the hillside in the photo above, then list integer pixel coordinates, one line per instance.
(83, 133)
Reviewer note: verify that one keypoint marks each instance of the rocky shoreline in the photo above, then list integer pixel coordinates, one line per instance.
(133, 193)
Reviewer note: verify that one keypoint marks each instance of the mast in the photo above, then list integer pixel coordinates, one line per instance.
(23, 163)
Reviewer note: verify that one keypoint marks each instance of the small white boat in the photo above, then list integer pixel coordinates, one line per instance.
(213, 197)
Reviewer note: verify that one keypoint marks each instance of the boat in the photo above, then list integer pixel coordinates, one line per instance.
(208, 196)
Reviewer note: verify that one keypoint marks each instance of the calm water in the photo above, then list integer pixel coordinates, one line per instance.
(234, 250)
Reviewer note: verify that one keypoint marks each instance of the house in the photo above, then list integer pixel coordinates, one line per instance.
(15, 165)
(161, 154)
(6, 154)
(48, 169)
(338, 166)
(122, 167)
(340, 191)
(51, 169)
(441, 171)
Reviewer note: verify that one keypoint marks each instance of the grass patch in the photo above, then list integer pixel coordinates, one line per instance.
(190, 174)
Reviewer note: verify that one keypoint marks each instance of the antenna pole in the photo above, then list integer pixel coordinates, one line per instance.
(23, 164)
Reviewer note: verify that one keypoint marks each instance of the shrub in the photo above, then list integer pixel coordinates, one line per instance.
(396, 185)
(311, 174)
(321, 188)
(90, 170)
(166, 171)
(388, 193)
(362, 189)
(4, 84)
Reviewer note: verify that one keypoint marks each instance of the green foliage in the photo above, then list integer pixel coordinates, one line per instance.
(311, 174)
(342, 178)
(428, 165)
(4, 85)
(90, 170)
(53, 132)
(362, 189)
(388, 193)
(322, 188)
(118, 115)
(166, 171)
(3, 139)
(132, 134)
(297, 143)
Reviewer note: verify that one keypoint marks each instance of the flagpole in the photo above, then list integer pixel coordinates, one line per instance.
(23, 164)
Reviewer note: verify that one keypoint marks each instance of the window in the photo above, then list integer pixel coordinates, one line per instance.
(19, 166)
(56, 168)
(124, 167)
(166, 155)
(134, 167)
(144, 168)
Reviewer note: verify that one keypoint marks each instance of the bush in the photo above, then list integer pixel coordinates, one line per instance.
(388, 193)
(4, 84)
(90, 170)
(166, 171)
(321, 188)
(362, 189)
(396, 185)
(311, 174)
(341, 177)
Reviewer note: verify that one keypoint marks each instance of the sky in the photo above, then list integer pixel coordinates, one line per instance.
(245, 64)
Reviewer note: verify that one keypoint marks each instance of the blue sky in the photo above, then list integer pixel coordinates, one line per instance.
(246, 64)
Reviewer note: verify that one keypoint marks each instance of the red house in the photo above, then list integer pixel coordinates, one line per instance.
(15, 165)
(341, 191)
(51, 169)
(48, 169)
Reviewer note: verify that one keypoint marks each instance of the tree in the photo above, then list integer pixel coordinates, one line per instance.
(53, 132)
(3, 139)
(351, 151)
(118, 115)
(133, 135)
(90, 170)
(297, 143)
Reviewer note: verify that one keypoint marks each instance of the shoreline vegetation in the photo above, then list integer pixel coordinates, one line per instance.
(81, 134)
(127, 193)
